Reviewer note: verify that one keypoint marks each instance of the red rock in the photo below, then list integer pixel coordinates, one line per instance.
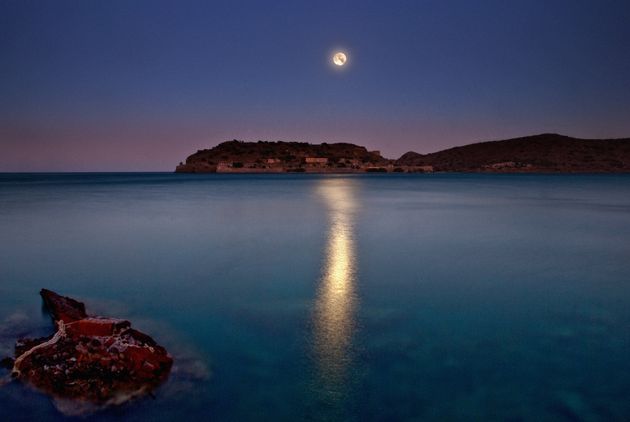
(102, 327)
(63, 308)
(93, 362)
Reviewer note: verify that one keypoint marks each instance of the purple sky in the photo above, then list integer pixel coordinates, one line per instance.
(138, 86)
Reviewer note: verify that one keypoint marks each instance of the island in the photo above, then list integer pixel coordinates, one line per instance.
(545, 153)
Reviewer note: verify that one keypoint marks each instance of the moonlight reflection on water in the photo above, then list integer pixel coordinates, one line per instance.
(334, 317)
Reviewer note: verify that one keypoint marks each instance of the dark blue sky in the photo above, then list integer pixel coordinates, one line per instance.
(139, 85)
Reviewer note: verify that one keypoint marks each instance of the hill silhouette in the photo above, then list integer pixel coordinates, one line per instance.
(273, 157)
(539, 153)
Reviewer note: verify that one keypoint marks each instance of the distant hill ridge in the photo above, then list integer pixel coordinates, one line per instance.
(545, 152)
(539, 153)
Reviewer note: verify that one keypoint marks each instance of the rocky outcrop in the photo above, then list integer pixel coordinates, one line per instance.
(89, 362)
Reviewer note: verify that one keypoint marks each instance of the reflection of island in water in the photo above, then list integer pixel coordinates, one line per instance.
(334, 317)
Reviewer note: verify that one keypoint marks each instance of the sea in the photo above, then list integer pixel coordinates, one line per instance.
(380, 297)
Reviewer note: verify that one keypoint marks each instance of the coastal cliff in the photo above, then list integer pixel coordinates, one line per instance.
(545, 153)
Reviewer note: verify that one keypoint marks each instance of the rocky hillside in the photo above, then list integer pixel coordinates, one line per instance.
(539, 153)
(237, 156)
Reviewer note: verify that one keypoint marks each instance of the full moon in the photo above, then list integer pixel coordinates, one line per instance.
(339, 59)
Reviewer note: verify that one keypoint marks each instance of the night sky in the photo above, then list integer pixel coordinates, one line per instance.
(139, 85)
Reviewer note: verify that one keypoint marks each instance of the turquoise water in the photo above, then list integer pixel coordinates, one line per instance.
(361, 297)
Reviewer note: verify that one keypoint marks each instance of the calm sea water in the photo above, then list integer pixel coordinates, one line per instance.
(290, 297)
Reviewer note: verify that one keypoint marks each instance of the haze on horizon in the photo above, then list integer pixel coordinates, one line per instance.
(138, 86)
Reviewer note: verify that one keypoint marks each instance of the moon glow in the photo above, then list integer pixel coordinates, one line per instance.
(339, 59)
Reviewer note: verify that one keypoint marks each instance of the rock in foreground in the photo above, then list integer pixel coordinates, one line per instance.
(90, 362)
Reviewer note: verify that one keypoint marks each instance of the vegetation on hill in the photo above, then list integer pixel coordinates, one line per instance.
(539, 153)
(280, 156)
